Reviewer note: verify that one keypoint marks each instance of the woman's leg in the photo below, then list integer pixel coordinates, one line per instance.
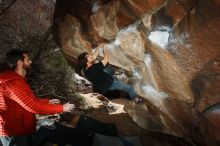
(124, 87)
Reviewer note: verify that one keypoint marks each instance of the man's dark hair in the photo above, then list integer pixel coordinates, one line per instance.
(81, 61)
(13, 56)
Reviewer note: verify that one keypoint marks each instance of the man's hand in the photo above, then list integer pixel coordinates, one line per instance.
(68, 107)
(54, 101)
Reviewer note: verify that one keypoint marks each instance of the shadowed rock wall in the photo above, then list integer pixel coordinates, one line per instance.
(27, 24)
(169, 50)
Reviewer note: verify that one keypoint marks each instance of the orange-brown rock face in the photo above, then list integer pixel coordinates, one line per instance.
(104, 20)
(139, 7)
(177, 10)
(170, 49)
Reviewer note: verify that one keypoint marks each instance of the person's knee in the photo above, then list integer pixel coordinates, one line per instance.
(131, 92)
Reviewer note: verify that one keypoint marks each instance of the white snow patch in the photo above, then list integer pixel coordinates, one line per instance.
(117, 42)
(95, 7)
(149, 91)
(160, 38)
(80, 80)
(136, 75)
(147, 59)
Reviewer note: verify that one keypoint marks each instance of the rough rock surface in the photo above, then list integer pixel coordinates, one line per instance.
(168, 49)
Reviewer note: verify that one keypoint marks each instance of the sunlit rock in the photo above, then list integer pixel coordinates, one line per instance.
(130, 41)
(147, 21)
(168, 50)
(104, 20)
(71, 37)
(153, 94)
(164, 48)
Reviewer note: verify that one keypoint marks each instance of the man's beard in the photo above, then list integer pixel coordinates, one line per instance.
(27, 67)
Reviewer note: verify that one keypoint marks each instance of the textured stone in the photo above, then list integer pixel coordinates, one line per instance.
(104, 20)
(72, 41)
(168, 49)
(177, 10)
(23, 22)
(139, 7)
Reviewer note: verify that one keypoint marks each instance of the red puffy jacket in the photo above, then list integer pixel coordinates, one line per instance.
(18, 106)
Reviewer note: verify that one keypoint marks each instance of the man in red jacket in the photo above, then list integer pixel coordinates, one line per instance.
(18, 105)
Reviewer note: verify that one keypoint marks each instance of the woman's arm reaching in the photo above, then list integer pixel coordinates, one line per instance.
(106, 56)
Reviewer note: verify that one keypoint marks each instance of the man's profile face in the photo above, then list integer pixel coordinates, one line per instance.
(27, 62)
